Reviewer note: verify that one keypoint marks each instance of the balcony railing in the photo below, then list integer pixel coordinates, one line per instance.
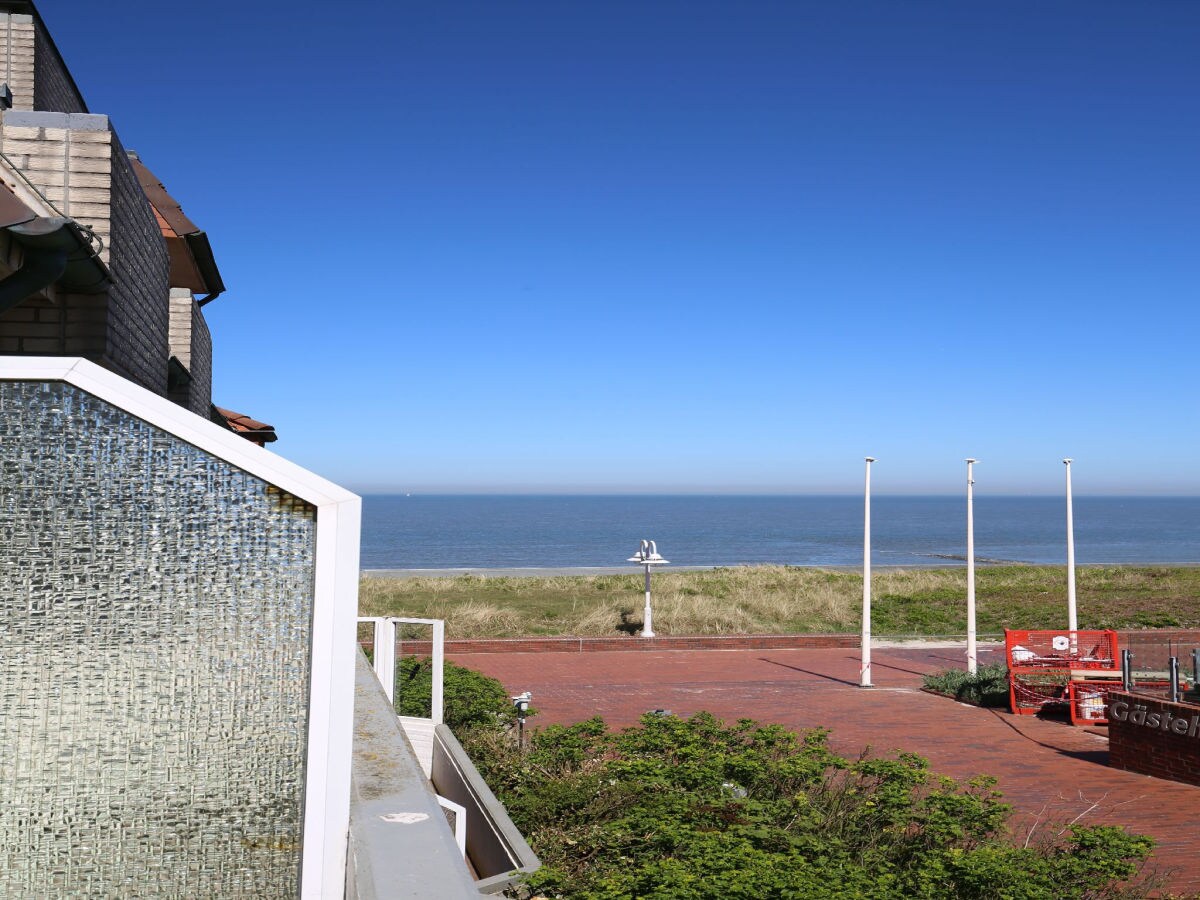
(493, 846)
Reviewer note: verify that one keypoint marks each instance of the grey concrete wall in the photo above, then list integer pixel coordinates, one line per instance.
(497, 849)
(400, 844)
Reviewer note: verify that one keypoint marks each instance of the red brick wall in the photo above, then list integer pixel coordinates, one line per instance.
(593, 644)
(714, 642)
(1182, 637)
(1147, 748)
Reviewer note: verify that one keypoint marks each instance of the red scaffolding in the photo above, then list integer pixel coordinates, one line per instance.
(1061, 668)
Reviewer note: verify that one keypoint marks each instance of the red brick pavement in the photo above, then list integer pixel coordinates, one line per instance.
(1051, 772)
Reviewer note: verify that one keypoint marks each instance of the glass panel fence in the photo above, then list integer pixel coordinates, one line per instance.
(1161, 666)
(155, 628)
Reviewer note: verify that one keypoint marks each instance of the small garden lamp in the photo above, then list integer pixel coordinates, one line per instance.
(647, 556)
(521, 707)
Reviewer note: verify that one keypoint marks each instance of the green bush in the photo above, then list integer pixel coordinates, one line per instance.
(685, 809)
(987, 687)
(470, 699)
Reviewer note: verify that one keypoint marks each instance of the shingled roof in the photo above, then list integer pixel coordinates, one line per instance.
(192, 263)
(251, 429)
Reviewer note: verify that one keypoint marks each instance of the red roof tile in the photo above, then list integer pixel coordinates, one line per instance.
(249, 428)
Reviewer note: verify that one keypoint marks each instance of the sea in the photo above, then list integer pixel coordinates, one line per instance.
(567, 532)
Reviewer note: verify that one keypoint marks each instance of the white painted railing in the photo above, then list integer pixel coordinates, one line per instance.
(418, 729)
(385, 661)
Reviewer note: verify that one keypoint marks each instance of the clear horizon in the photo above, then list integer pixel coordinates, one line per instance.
(661, 247)
(565, 530)
(714, 493)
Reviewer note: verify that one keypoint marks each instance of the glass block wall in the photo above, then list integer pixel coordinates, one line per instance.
(155, 629)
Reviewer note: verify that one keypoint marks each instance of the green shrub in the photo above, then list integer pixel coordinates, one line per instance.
(987, 687)
(470, 699)
(686, 809)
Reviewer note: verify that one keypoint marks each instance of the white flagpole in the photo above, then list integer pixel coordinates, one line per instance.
(864, 678)
(972, 662)
(1072, 617)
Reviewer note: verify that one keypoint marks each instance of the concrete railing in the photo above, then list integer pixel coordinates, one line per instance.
(400, 842)
(496, 848)
(487, 837)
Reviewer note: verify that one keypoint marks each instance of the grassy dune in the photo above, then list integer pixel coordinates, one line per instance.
(780, 600)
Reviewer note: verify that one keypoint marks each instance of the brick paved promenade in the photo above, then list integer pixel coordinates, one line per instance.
(1050, 771)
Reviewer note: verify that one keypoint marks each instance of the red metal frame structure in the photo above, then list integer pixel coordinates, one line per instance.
(1088, 700)
(1044, 668)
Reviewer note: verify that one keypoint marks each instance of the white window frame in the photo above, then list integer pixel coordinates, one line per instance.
(335, 598)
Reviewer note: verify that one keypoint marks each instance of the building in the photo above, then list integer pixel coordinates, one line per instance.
(182, 712)
(97, 259)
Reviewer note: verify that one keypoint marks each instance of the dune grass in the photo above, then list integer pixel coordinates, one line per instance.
(782, 600)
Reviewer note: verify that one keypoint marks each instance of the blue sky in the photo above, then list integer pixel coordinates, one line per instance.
(690, 246)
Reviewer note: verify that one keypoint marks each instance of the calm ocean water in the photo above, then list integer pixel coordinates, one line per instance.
(433, 532)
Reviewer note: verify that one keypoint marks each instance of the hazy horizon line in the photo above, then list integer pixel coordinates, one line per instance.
(718, 493)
